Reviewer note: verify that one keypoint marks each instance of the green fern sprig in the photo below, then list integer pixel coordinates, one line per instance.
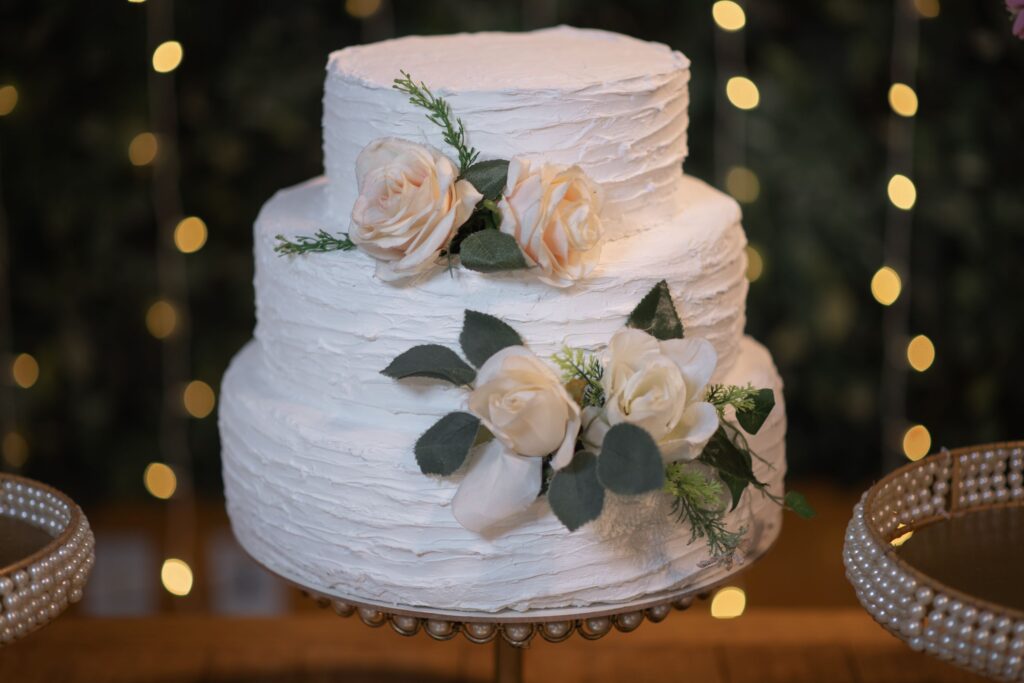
(440, 113)
(722, 395)
(322, 241)
(696, 499)
(577, 364)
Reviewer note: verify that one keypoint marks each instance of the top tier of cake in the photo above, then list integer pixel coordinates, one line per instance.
(613, 105)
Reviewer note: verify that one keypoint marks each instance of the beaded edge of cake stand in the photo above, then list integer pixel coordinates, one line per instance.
(37, 589)
(931, 617)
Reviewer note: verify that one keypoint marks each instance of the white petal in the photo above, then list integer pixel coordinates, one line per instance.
(595, 426)
(699, 423)
(492, 366)
(498, 485)
(565, 453)
(696, 359)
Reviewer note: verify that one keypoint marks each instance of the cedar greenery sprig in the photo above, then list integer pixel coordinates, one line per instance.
(439, 113)
(322, 241)
(740, 398)
(577, 364)
(697, 500)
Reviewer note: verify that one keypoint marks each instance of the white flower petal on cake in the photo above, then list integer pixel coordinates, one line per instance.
(699, 423)
(499, 484)
(696, 359)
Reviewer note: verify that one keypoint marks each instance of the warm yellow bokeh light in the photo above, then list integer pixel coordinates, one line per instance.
(920, 353)
(903, 99)
(25, 370)
(728, 603)
(743, 184)
(161, 319)
(900, 540)
(190, 235)
(176, 576)
(755, 263)
(728, 15)
(167, 56)
(362, 9)
(929, 9)
(160, 480)
(8, 99)
(15, 449)
(917, 442)
(143, 149)
(136, 2)
(199, 399)
(742, 92)
(886, 286)
(902, 192)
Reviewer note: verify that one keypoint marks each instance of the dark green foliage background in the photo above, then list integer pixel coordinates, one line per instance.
(83, 238)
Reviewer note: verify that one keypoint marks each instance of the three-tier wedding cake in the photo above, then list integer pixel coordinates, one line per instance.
(499, 362)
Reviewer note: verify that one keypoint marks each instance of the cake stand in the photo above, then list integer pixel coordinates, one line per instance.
(935, 552)
(46, 554)
(511, 631)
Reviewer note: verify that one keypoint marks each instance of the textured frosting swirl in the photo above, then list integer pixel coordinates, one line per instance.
(613, 105)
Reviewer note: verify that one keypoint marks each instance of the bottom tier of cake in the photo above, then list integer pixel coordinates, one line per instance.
(347, 512)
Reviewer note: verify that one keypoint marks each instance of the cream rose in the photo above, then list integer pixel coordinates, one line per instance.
(657, 385)
(410, 205)
(524, 405)
(553, 212)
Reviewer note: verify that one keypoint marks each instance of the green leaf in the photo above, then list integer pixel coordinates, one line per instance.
(796, 502)
(575, 493)
(431, 360)
(484, 335)
(734, 465)
(443, 448)
(488, 177)
(491, 251)
(656, 314)
(630, 461)
(752, 420)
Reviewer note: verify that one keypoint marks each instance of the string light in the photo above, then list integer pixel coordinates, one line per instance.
(362, 9)
(900, 540)
(903, 99)
(199, 399)
(886, 286)
(8, 99)
(176, 576)
(928, 9)
(743, 184)
(167, 56)
(190, 235)
(25, 370)
(728, 603)
(15, 449)
(755, 264)
(160, 480)
(742, 92)
(920, 353)
(917, 441)
(902, 192)
(143, 148)
(161, 319)
(728, 15)
(136, 2)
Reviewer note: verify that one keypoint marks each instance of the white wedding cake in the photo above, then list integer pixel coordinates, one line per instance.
(363, 460)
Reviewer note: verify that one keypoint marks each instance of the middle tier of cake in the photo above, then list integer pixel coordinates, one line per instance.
(327, 326)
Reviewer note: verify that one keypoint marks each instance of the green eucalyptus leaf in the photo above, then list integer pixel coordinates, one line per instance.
(735, 465)
(444, 447)
(431, 360)
(488, 177)
(630, 461)
(491, 251)
(656, 314)
(575, 493)
(796, 502)
(752, 420)
(484, 335)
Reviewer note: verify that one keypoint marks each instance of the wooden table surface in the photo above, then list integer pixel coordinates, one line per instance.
(764, 645)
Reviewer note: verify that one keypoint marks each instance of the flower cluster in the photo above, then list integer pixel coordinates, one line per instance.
(416, 208)
(638, 418)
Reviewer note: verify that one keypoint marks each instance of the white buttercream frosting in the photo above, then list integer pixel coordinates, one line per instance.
(613, 105)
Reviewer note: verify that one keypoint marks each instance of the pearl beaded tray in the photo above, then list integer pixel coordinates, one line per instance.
(37, 588)
(960, 626)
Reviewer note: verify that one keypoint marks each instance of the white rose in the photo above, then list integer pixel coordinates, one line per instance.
(410, 205)
(553, 212)
(523, 403)
(657, 385)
